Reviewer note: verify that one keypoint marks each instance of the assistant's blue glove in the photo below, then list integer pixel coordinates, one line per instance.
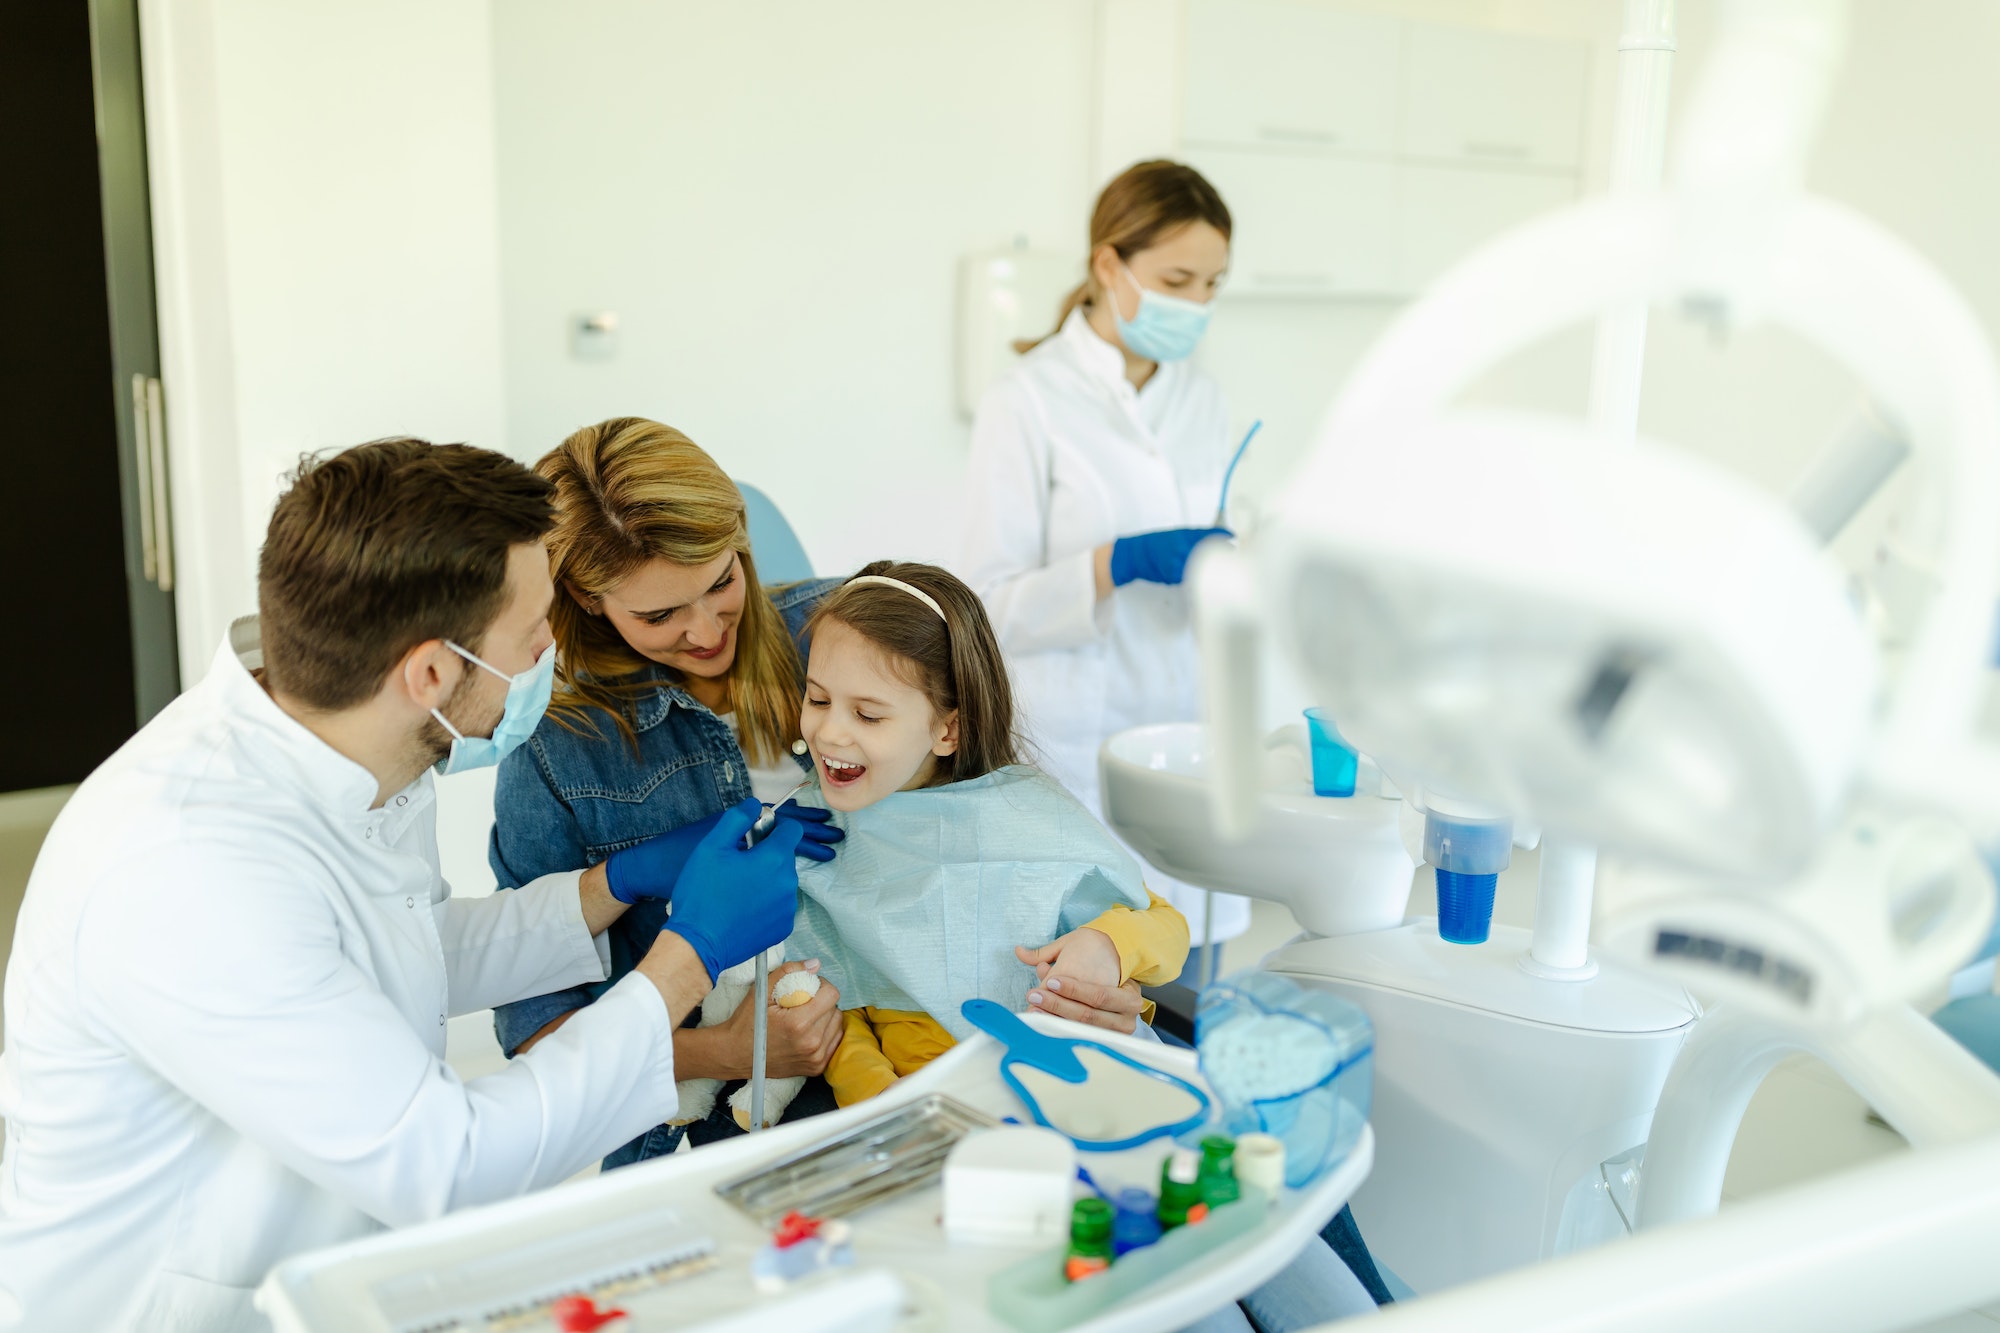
(648, 869)
(1158, 557)
(730, 904)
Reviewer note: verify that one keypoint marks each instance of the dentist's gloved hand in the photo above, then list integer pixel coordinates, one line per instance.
(1158, 557)
(730, 905)
(648, 869)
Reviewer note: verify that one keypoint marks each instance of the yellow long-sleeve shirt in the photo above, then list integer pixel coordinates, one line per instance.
(882, 1045)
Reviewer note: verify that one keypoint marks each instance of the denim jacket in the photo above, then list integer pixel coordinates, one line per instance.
(565, 800)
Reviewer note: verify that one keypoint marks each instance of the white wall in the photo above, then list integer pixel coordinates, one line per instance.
(329, 253)
(328, 242)
(774, 198)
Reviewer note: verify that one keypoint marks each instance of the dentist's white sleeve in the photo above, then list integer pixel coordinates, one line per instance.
(238, 996)
(526, 941)
(1036, 603)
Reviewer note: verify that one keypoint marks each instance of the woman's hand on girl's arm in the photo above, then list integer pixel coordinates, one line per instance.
(802, 1039)
(1079, 979)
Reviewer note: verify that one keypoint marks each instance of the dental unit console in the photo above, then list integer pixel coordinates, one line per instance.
(1657, 665)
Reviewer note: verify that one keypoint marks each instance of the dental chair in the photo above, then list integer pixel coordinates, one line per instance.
(780, 556)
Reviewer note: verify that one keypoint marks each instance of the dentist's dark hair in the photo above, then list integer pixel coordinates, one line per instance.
(1144, 205)
(376, 549)
(956, 662)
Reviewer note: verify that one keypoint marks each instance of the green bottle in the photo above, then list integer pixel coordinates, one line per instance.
(1089, 1240)
(1180, 1190)
(1217, 1176)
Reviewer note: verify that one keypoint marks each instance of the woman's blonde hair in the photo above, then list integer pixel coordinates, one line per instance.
(1146, 203)
(629, 491)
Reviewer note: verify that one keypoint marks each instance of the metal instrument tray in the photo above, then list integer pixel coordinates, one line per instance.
(878, 1159)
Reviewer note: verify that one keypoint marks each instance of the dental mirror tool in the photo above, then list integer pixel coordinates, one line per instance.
(1099, 1098)
(760, 1018)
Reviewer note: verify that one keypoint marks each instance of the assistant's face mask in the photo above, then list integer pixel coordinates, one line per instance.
(1165, 328)
(527, 699)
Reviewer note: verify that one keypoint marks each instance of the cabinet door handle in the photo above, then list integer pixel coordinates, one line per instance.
(163, 517)
(143, 448)
(1288, 134)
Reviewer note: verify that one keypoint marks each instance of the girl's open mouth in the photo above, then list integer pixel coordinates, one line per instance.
(841, 774)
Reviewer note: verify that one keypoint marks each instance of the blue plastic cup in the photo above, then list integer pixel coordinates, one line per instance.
(1465, 906)
(1334, 762)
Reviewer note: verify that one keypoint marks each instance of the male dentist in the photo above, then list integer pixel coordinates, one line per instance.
(225, 1010)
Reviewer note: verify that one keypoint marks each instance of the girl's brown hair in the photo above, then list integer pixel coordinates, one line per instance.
(629, 491)
(1145, 204)
(955, 661)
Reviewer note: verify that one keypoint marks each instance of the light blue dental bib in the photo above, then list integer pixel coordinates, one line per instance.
(932, 890)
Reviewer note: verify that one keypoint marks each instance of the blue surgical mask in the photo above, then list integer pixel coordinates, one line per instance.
(1166, 328)
(527, 699)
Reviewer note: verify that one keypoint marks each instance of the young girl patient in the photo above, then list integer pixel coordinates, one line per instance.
(956, 852)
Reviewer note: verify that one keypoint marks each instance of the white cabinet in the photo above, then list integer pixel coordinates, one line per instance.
(1492, 98)
(1307, 225)
(1447, 212)
(1287, 74)
(1362, 154)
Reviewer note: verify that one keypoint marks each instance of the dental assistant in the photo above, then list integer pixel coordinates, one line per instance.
(227, 1000)
(679, 694)
(1096, 468)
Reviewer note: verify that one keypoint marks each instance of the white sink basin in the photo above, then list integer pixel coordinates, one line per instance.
(1338, 862)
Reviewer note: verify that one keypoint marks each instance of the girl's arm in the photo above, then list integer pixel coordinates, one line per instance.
(1152, 944)
(1092, 974)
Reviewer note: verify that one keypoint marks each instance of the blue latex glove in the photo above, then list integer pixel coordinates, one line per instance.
(816, 831)
(730, 904)
(1158, 557)
(648, 869)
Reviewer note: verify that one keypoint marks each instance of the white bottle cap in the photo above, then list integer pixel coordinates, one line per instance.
(1260, 1163)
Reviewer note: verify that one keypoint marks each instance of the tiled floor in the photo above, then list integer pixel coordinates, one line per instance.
(1803, 1122)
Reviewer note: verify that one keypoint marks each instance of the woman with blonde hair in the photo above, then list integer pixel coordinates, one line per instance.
(678, 692)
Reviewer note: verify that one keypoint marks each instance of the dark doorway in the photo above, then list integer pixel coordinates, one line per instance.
(87, 606)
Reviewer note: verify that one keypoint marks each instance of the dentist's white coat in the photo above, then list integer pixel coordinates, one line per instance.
(225, 1026)
(1066, 456)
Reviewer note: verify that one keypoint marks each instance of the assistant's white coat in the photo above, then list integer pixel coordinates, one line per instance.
(1066, 456)
(225, 1026)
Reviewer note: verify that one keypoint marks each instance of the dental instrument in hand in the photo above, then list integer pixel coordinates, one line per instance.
(1222, 505)
(760, 1019)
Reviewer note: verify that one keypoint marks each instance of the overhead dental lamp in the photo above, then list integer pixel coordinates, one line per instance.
(1626, 645)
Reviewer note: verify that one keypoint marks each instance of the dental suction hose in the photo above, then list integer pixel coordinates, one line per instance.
(760, 1020)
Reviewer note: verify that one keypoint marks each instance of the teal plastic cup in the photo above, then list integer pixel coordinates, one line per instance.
(1334, 762)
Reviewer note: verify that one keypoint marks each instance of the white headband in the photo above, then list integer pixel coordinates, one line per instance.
(917, 593)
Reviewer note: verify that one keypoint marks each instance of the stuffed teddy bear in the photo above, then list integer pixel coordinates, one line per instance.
(697, 1095)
